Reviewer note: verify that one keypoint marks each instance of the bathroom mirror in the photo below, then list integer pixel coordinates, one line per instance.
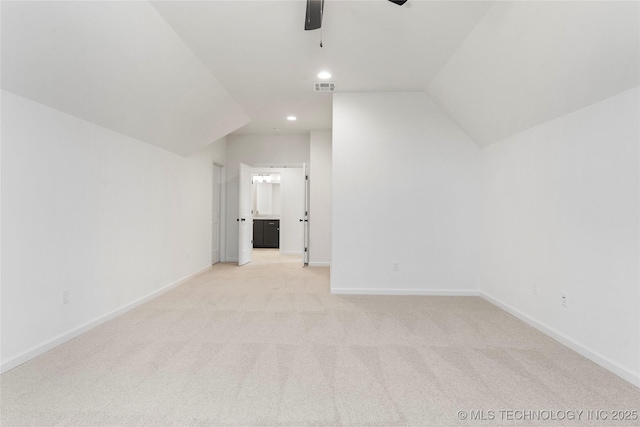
(266, 194)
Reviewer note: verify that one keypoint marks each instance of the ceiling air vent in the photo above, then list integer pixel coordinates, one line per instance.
(324, 87)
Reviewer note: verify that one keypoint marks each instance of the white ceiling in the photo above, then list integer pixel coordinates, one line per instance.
(118, 65)
(180, 74)
(526, 63)
(260, 52)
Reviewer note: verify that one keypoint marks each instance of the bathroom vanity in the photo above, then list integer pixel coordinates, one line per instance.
(266, 233)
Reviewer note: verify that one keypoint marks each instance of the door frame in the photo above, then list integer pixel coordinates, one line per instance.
(257, 167)
(222, 232)
(305, 224)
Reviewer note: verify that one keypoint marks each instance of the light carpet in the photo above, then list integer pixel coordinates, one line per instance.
(266, 344)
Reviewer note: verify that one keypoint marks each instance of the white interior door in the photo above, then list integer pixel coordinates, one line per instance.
(245, 216)
(292, 213)
(215, 213)
(305, 253)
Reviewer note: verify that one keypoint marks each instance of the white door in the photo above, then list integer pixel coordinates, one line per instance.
(305, 256)
(292, 213)
(215, 213)
(245, 216)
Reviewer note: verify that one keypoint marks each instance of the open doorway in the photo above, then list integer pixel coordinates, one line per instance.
(278, 214)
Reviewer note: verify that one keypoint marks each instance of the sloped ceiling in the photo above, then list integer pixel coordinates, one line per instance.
(259, 51)
(526, 63)
(118, 65)
(181, 74)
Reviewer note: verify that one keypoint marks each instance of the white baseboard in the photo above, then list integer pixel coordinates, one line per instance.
(62, 338)
(417, 292)
(594, 356)
(319, 264)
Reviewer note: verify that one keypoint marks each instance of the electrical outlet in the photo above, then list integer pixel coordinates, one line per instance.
(396, 266)
(65, 296)
(563, 299)
(534, 288)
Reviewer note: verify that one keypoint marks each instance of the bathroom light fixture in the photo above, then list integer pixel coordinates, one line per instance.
(324, 75)
(262, 178)
(292, 118)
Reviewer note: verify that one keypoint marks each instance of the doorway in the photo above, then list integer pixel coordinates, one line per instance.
(276, 197)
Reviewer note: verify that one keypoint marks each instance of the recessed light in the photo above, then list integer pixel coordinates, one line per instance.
(324, 75)
(292, 118)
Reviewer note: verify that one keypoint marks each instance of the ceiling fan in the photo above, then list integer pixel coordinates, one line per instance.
(313, 20)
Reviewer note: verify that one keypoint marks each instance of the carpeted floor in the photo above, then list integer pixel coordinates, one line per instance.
(266, 344)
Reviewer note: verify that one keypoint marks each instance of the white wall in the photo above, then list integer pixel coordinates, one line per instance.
(407, 185)
(257, 149)
(561, 209)
(109, 218)
(276, 200)
(320, 198)
(218, 150)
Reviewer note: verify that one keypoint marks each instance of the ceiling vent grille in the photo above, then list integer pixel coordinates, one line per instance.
(324, 87)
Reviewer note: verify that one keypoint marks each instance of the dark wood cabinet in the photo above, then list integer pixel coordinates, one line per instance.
(258, 233)
(266, 233)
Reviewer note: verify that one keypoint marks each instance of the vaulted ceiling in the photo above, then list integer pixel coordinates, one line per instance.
(528, 62)
(181, 74)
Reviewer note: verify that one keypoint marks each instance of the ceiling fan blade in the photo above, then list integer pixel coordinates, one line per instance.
(398, 2)
(313, 20)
